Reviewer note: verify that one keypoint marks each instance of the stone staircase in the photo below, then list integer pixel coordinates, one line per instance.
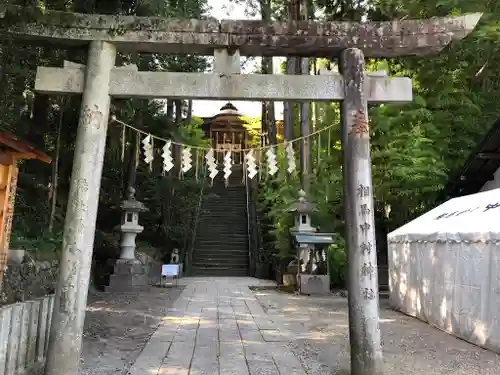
(221, 243)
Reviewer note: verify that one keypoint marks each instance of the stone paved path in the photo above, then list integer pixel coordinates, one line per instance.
(219, 327)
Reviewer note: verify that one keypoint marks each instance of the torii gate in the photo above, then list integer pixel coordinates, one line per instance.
(349, 41)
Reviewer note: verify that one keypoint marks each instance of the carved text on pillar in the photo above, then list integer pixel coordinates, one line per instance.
(92, 117)
(366, 248)
(360, 126)
(368, 270)
(364, 210)
(363, 191)
(368, 293)
(365, 227)
(78, 203)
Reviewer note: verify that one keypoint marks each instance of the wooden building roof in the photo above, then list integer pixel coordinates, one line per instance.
(479, 168)
(20, 149)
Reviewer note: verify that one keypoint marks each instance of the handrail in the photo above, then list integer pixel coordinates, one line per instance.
(249, 231)
(190, 251)
(254, 230)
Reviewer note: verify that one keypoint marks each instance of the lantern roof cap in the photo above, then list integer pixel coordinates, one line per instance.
(302, 206)
(131, 204)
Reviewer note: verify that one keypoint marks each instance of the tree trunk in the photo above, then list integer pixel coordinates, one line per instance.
(305, 156)
(178, 112)
(55, 167)
(170, 112)
(291, 69)
(134, 155)
(268, 115)
(189, 117)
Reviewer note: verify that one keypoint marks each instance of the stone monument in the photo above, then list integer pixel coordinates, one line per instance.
(130, 274)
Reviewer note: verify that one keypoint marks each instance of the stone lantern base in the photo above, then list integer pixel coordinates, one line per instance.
(314, 284)
(130, 276)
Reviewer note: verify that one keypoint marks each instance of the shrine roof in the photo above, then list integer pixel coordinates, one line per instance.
(251, 37)
(479, 168)
(22, 149)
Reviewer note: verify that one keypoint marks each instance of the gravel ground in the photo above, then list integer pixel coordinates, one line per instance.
(411, 347)
(118, 326)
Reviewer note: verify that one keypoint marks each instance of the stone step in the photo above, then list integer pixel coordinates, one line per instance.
(222, 233)
(220, 253)
(237, 197)
(224, 211)
(226, 216)
(207, 242)
(222, 261)
(221, 240)
(211, 234)
(219, 271)
(210, 260)
(240, 234)
(227, 251)
(203, 240)
(227, 227)
(228, 224)
(229, 201)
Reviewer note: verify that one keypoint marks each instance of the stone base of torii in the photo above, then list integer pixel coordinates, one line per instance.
(99, 80)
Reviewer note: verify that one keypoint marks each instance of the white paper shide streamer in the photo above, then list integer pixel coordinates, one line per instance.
(186, 159)
(168, 160)
(212, 166)
(271, 161)
(290, 158)
(228, 163)
(147, 147)
(251, 166)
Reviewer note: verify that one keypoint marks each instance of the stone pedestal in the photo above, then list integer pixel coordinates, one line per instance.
(130, 276)
(314, 284)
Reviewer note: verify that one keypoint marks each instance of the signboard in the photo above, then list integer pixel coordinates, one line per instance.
(170, 270)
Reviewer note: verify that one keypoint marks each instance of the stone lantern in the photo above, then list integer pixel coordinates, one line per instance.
(302, 209)
(312, 271)
(130, 227)
(129, 274)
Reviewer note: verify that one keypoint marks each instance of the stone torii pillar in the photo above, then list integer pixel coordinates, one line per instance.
(363, 294)
(79, 227)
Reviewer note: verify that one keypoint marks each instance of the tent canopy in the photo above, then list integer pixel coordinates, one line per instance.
(474, 218)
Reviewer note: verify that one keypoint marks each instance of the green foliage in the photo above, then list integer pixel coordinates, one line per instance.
(45, 247)
(337, 262)
(171, 201)
(416, 147)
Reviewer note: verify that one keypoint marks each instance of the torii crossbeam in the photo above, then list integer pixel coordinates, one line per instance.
(250, 37)
(350, 42)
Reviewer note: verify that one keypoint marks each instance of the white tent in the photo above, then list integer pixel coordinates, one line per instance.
(444, 268)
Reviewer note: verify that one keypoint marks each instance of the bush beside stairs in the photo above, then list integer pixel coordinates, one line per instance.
(221, 243)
